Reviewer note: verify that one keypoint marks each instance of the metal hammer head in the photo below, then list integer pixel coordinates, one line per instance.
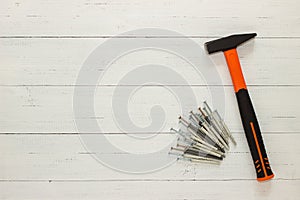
(227, 43)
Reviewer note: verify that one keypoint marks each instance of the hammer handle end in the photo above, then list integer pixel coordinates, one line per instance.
(254, 137)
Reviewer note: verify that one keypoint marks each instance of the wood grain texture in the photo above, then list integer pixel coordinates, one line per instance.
(63, 158)
(276, 189)
(43, 45)
(193, 18)
(50, 109)
(58, 61)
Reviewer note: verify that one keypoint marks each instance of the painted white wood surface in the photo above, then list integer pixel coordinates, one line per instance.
(58, 61)
(62, 158)
(207, 189)
(43, 45)
(47, 109)
(207, 18)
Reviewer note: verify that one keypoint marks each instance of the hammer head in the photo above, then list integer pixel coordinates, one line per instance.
(227, 43)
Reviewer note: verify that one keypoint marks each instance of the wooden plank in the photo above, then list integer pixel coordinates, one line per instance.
(103, 17)
(279, 189)
(58, 62)
(63, 158)
(42, 48)
(34, 109)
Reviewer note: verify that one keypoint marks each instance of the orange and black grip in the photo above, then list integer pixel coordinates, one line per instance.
(254, 137)
(249, 120)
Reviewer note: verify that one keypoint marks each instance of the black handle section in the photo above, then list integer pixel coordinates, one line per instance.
(254, 137)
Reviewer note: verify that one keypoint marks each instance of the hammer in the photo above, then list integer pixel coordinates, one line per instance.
(254, 138)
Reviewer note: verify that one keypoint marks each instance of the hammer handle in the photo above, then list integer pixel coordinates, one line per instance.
(249, 120)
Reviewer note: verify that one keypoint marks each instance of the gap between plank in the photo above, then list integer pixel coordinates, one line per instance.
(148, 85)
(144, 180)
(141, 133)
(127, 37)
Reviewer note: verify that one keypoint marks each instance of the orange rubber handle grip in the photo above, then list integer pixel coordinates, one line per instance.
(249, 120)
(235, 69)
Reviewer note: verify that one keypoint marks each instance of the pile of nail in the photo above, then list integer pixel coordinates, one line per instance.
(203, 137)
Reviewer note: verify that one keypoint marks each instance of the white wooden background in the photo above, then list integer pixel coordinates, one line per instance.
(42, 47)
